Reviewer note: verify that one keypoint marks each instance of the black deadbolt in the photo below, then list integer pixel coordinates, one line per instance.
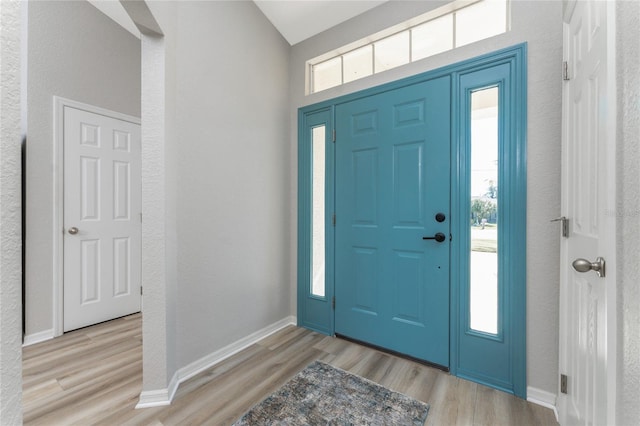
(440, 217)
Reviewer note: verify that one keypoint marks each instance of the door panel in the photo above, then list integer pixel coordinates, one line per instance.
(366, 284)
(392, 178)
(365, 184)
(102, 201)
(90, 275)
(407, 293)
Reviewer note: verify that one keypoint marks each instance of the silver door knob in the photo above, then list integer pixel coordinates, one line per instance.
(73, 230)
(583, 265)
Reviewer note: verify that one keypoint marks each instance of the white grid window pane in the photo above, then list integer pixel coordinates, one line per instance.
(327, 74)
(432, 37)
(358, 64)
(481, 20)
(392, 52)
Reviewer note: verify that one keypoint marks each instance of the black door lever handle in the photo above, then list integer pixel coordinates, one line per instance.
(439, 237)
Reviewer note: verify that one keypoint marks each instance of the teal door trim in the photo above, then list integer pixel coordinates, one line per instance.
(320, 316)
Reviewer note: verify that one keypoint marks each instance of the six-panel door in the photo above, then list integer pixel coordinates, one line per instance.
(587, 300)
(392, 179)
(102, 223)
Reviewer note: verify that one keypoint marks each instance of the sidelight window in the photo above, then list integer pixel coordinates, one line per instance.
(315, 219)
(484, 221)
(318, 135)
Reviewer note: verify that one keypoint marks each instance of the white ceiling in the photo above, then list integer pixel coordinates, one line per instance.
(296, 20)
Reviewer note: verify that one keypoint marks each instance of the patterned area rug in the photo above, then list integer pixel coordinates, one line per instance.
(323, 395)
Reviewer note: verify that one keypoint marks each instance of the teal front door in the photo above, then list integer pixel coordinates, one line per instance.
(392, 201)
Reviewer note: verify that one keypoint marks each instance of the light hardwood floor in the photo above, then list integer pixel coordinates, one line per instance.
(94, 376)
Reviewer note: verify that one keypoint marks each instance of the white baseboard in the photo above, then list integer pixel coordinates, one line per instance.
(198, 366)
(41, 336)
(543, 398)
(160, 397)
(156, 398)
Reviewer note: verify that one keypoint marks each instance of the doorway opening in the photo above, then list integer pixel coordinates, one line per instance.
(442, 155)
(98, 206)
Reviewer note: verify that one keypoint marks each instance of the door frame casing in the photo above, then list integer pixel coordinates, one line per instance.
(59, 104)
(517, 55)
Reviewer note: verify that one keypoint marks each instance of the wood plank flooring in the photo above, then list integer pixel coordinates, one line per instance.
(94, 376)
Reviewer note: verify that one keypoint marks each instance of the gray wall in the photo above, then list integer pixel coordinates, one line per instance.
(10, 253)
(75, 52)
(232, 175)
(540, 24)
(628, 212)
(229, 161)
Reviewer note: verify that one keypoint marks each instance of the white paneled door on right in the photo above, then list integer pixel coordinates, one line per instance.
(587, 296)
(102, 218)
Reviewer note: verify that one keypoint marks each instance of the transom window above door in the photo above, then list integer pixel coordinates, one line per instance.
(456, 24)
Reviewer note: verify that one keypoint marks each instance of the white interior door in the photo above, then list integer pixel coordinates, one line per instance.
(102, 218)
(587, 300)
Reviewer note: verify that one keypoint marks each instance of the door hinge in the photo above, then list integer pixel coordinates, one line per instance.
(563, 383)
(333, 219)
(564, 229)
(333, 303)
(333, 135)
(140, 217)
(140, 290)
(565, 71)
